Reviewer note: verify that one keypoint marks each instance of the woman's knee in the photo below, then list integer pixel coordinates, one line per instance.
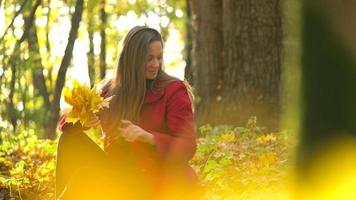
(67, 140)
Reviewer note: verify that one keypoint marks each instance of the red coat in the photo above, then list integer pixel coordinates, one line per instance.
(168, 115)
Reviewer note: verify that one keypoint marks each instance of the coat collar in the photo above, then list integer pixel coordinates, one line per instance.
(152, 96)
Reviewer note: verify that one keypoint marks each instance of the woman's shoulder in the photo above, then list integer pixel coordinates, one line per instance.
(181, 93)
(179, 86)
(175, 85)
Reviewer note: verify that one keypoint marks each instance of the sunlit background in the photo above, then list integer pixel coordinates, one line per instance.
(233, 162)
(117, 25)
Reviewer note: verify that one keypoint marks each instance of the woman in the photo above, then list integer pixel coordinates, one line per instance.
(148, 132)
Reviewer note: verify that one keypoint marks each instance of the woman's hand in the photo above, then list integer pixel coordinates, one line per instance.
(132, 133)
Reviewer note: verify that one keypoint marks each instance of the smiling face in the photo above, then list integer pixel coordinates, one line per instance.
(155, 59)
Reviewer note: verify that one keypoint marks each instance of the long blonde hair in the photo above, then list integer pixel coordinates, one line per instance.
(129, 85)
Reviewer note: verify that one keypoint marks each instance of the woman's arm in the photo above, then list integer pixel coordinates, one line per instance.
(133, 133)
(180, 142)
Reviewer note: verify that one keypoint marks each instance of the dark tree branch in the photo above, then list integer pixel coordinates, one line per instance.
(11, 105)
(13, 61)
(48, 46)
(103, 17)
(37, 71)
(54, 111)
(188, 73)
(13, 19)
(91, 56)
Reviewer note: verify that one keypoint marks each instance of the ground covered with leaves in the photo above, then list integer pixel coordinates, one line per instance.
(232, 163)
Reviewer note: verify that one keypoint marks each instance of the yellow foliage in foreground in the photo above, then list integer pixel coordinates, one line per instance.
(232, 163)
(332, 175)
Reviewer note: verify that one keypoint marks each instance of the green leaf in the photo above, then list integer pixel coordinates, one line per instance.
(210, 165)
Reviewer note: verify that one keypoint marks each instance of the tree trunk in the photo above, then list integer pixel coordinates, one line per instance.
(237, 60)
(23, 5)
(55, 107)
(252, 60)
(48, 46)
(328, 82)
(91, 56)
(11, 110)
(23, 114)
(38, 78)
(188, 74)
(103, 18)
(207, 56)
(14, 62)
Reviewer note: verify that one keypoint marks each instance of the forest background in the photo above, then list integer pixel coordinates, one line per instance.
(250, 64)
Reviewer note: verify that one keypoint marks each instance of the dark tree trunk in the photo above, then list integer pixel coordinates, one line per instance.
(54, 111)
(207, 56)
(188, 73)
(14, 62)
(38, 78)
(237, 60)
(23, 88)
(252, 60)
(11, 110)
(328, 82)
(91, 56)
(103, 18)
(48, 46)
(23, 5)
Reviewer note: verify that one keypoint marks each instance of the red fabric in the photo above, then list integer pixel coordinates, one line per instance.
(168, 115)
(62, 121)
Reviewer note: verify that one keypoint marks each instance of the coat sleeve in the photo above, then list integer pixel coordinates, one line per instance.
(180, 143)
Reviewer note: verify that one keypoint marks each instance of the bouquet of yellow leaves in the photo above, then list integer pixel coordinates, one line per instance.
(86, 103)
